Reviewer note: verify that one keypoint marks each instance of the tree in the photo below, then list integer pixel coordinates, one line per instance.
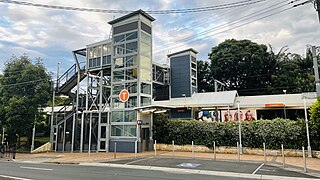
(242, 65)
(24, 89)
(205, 81)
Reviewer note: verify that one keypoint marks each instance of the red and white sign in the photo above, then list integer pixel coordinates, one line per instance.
(124, 95)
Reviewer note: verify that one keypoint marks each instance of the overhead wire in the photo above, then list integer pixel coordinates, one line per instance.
(203, 21)
(169, 11)
(198, 36)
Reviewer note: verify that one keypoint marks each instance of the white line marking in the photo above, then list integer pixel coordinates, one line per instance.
(13, 177)
(138, 160)
(35, 168)
(258, 168)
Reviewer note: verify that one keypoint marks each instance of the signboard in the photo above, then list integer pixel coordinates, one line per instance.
(245, 115)
(124, 95)
(274, 105)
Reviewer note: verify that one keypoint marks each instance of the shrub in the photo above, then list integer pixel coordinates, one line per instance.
(291, 134)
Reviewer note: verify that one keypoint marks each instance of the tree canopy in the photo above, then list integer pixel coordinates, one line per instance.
(253, 69)
(24, 89)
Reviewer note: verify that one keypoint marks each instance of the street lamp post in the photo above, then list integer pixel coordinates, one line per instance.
(307, 126)
(52, 110)
(239, 122)
(284, 105)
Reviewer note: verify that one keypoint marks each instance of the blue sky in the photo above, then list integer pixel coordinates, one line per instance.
(53, 34)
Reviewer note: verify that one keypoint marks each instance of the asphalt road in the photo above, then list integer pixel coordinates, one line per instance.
(148, 168)
(219, 166)
(55, 171)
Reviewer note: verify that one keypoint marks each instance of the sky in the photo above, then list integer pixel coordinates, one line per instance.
(53, 34)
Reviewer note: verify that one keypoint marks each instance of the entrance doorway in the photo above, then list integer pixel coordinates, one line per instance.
(145, 140)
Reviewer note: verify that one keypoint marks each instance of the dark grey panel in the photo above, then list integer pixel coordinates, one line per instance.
(180, 76)
(126, 27)
(122, 146)
(180, 114)
(145, 28)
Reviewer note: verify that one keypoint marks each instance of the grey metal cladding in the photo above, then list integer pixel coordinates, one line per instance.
(145, 28)
(125, 28)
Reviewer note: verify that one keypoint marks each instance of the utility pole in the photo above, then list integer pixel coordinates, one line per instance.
(315, 67)
(317, 7)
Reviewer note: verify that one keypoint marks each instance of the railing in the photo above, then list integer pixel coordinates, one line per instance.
(69, 74)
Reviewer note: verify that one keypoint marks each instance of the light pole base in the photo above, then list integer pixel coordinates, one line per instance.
(241, 151)
(309, 152)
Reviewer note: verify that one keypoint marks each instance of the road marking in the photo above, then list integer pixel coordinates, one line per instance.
(35, 168)
(258, 168)
(138, 160)
(13, 177)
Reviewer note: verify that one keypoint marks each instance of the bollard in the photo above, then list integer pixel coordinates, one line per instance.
(264, 153)
(173, 148)
(214, 150)
(283, 160)
(135, 149)
(155, 148)
(192, 149)
(238, 148)
(304, 161)
(115, 150)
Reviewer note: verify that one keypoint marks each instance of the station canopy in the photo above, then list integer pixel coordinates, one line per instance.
(202, 100)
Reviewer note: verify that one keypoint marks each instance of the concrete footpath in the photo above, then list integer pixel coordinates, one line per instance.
(85, 157)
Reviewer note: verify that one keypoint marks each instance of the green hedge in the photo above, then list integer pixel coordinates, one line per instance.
(273, 132)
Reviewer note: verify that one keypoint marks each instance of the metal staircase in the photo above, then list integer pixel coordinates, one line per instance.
(68, 80)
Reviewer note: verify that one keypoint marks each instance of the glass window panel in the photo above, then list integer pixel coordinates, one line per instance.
(109, 59)
(103, 131)
(117, 130)
(194, 82)
(131, 60)
(130, 116)
(90, 62)
(98, 61)
(98, 51)
(193, 65)
(94, 62)
(132, 102)
(131, 87)
(194, 74)
(132, 35)
(129, 131)
(145, 50)
(119, 62)
(104, 60)
(102, 144)
(118, 76)
(119, 50)
(145, 62)
(106, 50)
(119, 38)
(131, 47)
(145, 75)
(91, 53)
(145, 101)
(117, 88)
(117, 116)
(145, 88)
(104, 118)
(117, 104)
(131, 74)
(145, 38)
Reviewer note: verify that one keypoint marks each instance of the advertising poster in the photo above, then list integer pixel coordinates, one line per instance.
(208, 115)
(245, 115)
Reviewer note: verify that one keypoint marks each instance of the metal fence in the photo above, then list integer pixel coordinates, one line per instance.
(8, 151)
